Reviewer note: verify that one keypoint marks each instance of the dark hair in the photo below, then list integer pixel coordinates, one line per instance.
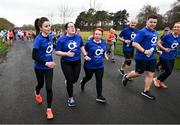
(152, 17)
(66, 25)
(38, 24)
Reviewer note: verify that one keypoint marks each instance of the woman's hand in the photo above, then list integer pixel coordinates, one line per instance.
(50, 64)
(87, 58)
(70, 54)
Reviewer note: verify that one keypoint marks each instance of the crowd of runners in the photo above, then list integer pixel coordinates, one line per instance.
(70, 46)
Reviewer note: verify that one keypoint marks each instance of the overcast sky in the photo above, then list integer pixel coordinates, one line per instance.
(22, 12)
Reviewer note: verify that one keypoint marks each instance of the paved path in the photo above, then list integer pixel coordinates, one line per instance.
(124, 104)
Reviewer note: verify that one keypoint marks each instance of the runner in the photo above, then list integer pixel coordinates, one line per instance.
(126, 36)
(10, 35)
(145, 42)
(110, 44)
(43, 65)
(93, 64)
(69, 47)
(159, 64)
(168, 44)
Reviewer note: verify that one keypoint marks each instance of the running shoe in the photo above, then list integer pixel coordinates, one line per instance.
(148, 95)
(157, 82)
(71, 102)
(125, 80)
(38, 98)
(101, 99)
(49, 114)
(162, 85)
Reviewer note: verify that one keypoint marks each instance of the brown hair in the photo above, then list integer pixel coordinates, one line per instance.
(99, 29)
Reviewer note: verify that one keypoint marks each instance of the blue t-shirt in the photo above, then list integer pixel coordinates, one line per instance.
(128, 34)
(45, 49)
(147, 38)
(169, 41)
(73, 44)
(96, 53)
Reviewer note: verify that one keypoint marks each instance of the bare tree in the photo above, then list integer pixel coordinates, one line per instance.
(51, 17)
(65, 12)
(94, 4)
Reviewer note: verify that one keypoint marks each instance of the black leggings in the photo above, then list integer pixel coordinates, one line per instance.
(167, 65)
(46, 75)
(98, 74)
(71, 70)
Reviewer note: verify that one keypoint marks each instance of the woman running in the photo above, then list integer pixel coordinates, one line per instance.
(43, 65)
(96, 48)
(168, 44)
(69, 47)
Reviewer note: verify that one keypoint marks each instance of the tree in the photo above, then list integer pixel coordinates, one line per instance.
(81, 20)
(27, 27)
(5, 24)
(51, 17)
(102, 18)
(120, 19)
(65, 12)
(94, 4)
(173, 15)
(147, 11)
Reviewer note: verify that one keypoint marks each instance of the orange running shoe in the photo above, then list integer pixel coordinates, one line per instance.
(38, 98)
(49, 114)
(164, 86)
(157, 83)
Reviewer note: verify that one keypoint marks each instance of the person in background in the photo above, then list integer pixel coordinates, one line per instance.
(110, 39)
(159, 64)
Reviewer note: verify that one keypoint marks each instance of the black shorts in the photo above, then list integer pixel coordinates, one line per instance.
(10, 38)
(128, 54)
(145, 65)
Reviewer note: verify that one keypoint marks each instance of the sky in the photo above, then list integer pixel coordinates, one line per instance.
(22, 12)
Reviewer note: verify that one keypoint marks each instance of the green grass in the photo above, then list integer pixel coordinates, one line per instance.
(118, 47)
(3, 47)
(177, 63)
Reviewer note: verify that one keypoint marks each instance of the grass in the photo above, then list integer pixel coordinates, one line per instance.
(118, 47)
(177, 63)
(3, 47)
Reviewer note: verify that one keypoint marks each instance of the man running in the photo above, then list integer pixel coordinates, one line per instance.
(126, 36)
(145, 42)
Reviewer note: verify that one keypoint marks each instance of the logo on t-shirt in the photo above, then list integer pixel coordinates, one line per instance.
(72, 45)
(133, 35)
(174, 45)
(49, 49)
(99, 52)
(154, 40)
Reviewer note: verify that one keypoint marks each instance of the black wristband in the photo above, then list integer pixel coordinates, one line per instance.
(144, 51)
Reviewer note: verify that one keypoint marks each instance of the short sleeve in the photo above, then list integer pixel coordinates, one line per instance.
(139, 37)
(36, 43)
(59, 45)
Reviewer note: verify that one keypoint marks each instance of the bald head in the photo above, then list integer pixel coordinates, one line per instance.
(133, 23)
